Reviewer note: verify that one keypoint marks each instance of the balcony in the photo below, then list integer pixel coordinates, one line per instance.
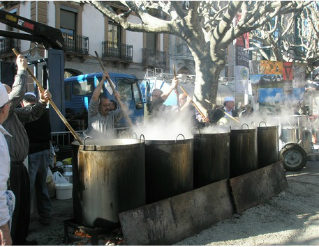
(117, 52)
(182, 52)
(6, 45)
(153, 58)
(77, 45)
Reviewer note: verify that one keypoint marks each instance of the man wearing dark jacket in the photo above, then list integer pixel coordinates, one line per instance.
(217, 113)
(39, 133)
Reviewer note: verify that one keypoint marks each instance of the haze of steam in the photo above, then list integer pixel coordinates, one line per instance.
(168, 126)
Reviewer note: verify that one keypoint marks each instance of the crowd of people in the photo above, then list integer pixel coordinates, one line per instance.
(103, 113)
(25, 143)
(156, 108)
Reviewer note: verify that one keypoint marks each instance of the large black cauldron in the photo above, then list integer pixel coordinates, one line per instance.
(109, 178)
(243, 151)
(268, 145)
(168, 168)
(211, 158)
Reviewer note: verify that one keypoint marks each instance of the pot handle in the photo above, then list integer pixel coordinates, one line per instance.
(85, 138)
(243, 125)
(135, 135)
(141, 138)
(262, 122)
(125, 132)
(178, 136)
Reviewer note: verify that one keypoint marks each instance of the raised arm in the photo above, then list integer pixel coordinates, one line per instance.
(29, 114)
(165, 95)
(19, 86)
(188, 101)
(97, 90)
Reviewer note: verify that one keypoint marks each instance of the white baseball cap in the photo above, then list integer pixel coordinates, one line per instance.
(229, 99)
(4, 97)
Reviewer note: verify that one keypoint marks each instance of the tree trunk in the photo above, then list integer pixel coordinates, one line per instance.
(206, 83)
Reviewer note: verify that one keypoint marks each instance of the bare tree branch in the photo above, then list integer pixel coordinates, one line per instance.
(209, 27)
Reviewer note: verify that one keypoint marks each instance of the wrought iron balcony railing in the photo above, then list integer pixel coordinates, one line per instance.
(117, 51)
(6, 45)
(154, 58)
(76, 44)
(182, 50)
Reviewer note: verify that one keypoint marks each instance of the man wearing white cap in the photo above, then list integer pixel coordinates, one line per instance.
(4, 168)
(229, 104)
(216, 114)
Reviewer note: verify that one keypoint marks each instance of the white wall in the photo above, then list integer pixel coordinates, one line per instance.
(162, 42)
(51, 14)
(135, 39)
(94, 28)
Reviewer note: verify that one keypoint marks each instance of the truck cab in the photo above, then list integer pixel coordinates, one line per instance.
(79, 90)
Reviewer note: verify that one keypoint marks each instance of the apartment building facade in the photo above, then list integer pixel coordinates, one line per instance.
(85, 30)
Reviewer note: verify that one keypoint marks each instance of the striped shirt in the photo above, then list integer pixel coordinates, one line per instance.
(99, 124)
(19, 142)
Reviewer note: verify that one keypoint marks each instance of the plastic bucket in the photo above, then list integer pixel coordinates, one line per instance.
(63, 191)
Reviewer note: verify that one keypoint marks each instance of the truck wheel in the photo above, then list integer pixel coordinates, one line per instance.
(293, 156)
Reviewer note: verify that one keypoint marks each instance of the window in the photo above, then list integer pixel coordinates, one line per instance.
(114, 34)
(151, 41)
(68, 27)
(83, 87)
(137, 96)
(124, 89)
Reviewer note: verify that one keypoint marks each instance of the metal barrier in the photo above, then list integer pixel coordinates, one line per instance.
(63, 137)
(61, 142)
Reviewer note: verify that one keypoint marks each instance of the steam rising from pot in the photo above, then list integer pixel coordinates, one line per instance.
(166, 127)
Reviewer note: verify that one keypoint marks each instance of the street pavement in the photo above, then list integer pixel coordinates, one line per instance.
(290, 218)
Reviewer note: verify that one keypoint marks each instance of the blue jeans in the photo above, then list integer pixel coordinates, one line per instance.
(38, 169)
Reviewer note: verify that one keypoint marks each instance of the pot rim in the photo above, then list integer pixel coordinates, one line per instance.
(211, 134)
(267, 127)
(109, 144)
(170, 142)
(243, 130)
